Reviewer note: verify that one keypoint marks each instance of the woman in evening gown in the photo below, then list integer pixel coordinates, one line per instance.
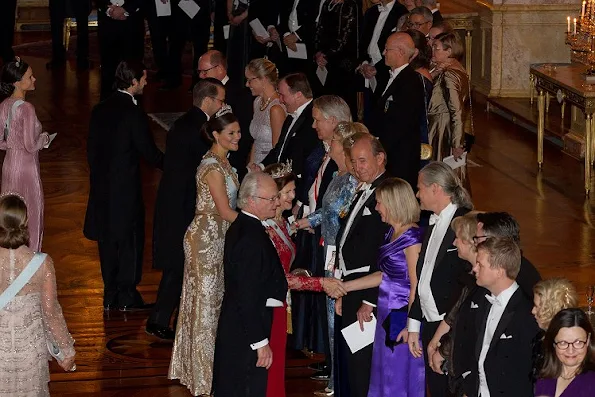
(279, 232)
(33, 316)
(269, 113)
(22, 140)
(335, 204)
(395, 372)
(202, 291)
(448, 111)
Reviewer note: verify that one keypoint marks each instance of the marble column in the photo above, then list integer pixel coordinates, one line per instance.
(512, 34)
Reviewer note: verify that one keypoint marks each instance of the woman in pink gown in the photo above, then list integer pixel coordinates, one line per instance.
(22, 140)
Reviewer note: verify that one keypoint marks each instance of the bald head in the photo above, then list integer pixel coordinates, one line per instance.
(399, 50)
(212, 64)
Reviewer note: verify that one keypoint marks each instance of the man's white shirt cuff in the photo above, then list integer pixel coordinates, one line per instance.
(258, 345)
(369, 304)
(413, 325)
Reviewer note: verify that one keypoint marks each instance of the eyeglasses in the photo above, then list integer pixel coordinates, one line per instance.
(271, 200)
(477, 238)
(577, 344)
(417, 24)
(220, 100)
(206, 70)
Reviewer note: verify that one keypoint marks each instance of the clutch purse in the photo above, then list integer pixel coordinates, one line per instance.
(426, 151)
(395, 322)
(55, 351)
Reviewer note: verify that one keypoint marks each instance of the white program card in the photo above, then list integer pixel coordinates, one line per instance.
(163, 9)
(454, 164)
(356, 338)
(259, 29)
(189, 7)
(299, 53)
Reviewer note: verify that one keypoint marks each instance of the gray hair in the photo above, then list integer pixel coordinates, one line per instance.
(442, 175)
(333, 106)
(249, 187)
(423, 11)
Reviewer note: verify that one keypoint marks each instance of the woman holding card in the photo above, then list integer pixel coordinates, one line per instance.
(22, 139)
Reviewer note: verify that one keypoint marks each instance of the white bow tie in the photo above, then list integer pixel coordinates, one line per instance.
(493, 300)
(382, 8)
(394, 73)
(434, 219)
(365, 186)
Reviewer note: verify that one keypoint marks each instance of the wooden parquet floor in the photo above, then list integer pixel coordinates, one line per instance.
(116, 358)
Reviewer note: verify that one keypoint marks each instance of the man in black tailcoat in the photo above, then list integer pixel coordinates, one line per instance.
(298, 25)
(254, 284)
(360, 236)
(121, 32)
(119, 136)
(59, 10)
(213, 64)
(398, 114)
(176, 200)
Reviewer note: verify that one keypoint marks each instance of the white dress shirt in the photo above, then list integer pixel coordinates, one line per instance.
(393, 75)
(373, 50)
(494, 317)
(320, 10)
(293, 22)
(131, 96)
(429, 309)
(271, 302)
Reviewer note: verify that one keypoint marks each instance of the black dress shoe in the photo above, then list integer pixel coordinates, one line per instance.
(320, 366)
(321, 376)
(136, 307)
(160, 332)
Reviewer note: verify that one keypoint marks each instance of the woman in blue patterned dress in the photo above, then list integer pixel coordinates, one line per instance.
(335, 204)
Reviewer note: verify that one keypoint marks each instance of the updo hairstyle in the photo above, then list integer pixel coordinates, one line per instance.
(14, 231)
(281, 178)
(12, 72)
(216, 124)
(262, 67)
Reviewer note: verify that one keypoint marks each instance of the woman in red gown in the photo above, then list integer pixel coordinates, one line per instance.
(279, 232)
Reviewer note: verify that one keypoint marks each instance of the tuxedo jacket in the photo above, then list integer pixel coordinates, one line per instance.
(119, 136)
(508, 364)
(450, 272)
(437, 18)
(397, 121)
(362, 242)
(241, 101)
(307, 11)
(390, 25)
(176, 196)
(253, 274)
(298, 145)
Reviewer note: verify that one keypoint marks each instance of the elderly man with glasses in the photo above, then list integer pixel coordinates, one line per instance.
(420, 18)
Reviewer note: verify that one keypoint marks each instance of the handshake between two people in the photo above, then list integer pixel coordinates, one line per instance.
(334, 288)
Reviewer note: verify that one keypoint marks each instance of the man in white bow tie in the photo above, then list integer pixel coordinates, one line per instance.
(439, 268)
(505, 326)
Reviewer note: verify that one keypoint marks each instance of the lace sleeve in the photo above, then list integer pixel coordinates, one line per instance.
(55, 324)
(302, 283)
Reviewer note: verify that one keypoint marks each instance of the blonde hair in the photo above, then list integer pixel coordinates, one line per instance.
(399, 200)
(503, 253)
(346, 129)
(263, 68)
(465, 226)
(555, 294)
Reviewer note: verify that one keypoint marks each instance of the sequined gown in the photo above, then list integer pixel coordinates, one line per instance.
(395, 372)
(20, 171)
(202, 290)
(260, 129)
(26, 323)
(278, 232)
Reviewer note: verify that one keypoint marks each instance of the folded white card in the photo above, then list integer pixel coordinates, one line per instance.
(356, 338)
(163, 9)
(259, 29)
(226, 32)
(189, 7)
(52, 136)
(454, 164)
(329, 258)
(300, 51)
(322, 73)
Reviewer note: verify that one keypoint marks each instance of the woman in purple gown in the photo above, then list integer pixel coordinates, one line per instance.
(22, 138)
(395, 372)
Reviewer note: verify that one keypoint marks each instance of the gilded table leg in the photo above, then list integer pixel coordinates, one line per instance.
(588, 149)
(563, 111)
(540, 125)
(531, 87)
(468, 47)
(547, 102)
